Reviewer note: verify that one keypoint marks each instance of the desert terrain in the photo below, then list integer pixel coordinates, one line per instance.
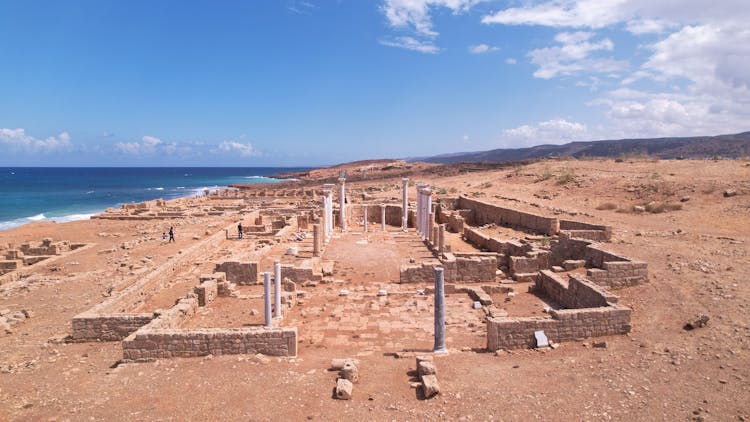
(688, 219)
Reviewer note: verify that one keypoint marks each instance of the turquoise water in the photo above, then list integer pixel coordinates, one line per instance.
(62, 194)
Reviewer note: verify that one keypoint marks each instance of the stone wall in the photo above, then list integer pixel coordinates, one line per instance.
(471, 268)
(300, 274)
(242, 273)
(531, 262)
(564, 325)
(484, 213)
(150, 344)
(618, 274)
(581, 230)
(112, 327)
(575, 294)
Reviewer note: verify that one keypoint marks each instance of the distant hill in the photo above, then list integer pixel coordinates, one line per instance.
(727, 146)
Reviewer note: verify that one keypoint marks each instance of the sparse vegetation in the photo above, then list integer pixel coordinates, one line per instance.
(485, 185)
(567, 176)
(546, 175)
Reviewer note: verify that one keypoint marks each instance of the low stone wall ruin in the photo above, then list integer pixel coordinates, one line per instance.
(596, 313)
(470, 268)
(564, 325)
(147, 344)
(242, 273)
(484, 213)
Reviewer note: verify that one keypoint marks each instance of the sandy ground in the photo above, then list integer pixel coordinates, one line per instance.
(698, 263)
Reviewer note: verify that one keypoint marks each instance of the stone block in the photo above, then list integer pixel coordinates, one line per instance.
(344, 389)
(430, 386)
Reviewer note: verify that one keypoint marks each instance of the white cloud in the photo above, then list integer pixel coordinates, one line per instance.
(705, 70)
(17, 138)
(511, 60)
(648, 26)
(414, 17)
(560, 13)
(410, 43)
(574, 56)
(555, 131)
(481, 48)
(245, 150)
(415, 14)
(147, 146)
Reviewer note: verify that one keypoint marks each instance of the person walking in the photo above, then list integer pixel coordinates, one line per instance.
(171, 234)
(239, 230)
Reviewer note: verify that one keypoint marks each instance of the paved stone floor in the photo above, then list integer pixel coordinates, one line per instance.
(363, 322)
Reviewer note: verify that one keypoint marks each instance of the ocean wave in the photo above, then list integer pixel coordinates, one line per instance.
(5, 225)
(90, 192)
(38, 217)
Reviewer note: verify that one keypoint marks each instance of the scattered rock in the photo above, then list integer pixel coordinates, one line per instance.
(350, 371)
(729, 193)
(601, 345)
(697, 322)
(430, 386)
(344, 389)
(684, 199)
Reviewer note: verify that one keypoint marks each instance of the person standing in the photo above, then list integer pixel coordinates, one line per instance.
(239, 230)
(171, 234)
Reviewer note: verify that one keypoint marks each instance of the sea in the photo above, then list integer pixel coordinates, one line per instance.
(29, 194)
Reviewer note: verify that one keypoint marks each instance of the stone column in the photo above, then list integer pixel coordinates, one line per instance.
(427, 211)
(434, 237)
(441, 240)
(277, 289)
(342, 207)
(382, 217)
(405, 204)
(365, 213)
(439, 312)
(324, 218)
(430, 226)
(316, 240)
(418, 210)
(267, 298)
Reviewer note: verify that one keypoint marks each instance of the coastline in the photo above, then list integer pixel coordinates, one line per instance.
(65, 214)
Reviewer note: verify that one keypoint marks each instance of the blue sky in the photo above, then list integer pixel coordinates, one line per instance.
(267, 83)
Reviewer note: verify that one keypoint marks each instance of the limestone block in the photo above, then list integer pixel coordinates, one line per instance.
(426, 368)
(350, 371)
(344, 389)
(430, 386)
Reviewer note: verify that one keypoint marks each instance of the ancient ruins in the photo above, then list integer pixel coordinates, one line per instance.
(443, 269)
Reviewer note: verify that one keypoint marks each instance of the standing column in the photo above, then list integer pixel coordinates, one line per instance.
(342, 207)
(316, 239)
(434, 237)
(439, 312)
(430, 226)
(382, 217)
(277, 289)
(324, 219)
(365, 211)
(267, 298)
(427, 211)
(405, 203)
(418, 210)
(441, 240)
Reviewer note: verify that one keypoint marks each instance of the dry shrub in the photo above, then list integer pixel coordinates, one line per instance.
(565, 177)
(607, 206)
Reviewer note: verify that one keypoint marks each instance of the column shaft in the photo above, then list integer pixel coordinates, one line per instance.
(439, 312)
(267, 298)
(277, 289)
